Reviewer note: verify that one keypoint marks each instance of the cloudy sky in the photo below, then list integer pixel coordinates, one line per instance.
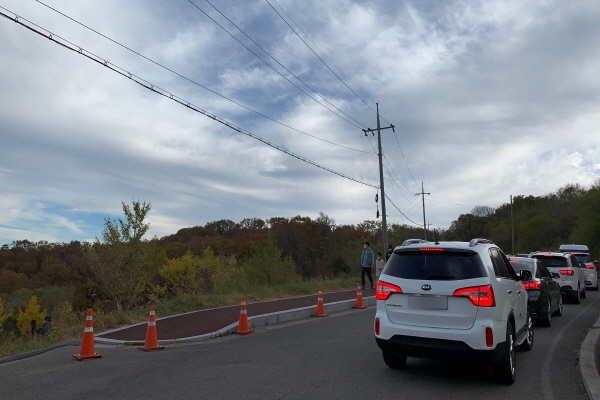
(489, 99)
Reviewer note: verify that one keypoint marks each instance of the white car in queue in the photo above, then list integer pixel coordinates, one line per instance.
(453, 300)
(582, 254)
(570, 278)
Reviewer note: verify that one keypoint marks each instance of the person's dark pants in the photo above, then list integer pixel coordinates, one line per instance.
(366, 270)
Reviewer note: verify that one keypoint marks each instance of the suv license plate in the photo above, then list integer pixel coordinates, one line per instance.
(428, 302)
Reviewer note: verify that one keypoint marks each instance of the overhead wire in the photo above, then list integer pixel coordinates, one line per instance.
(396, 207)
(322, 52)
(274, 59)
(194, 82)
(300, 29)
(404, 158)
(307, 45)
(148, 85)
(315, 53)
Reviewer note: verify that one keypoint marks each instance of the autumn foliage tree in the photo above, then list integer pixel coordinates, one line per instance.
(120, 260)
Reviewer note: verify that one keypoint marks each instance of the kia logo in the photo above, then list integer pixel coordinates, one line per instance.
(426, 287)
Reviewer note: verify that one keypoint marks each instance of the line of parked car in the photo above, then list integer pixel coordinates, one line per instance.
(468, 301)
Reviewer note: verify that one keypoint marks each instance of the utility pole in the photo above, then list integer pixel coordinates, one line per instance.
(383, 219)
(424, 223)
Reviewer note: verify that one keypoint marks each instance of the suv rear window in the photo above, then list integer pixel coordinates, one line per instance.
(443, 265)
(553, 261)
(520, 265)
(582, 257)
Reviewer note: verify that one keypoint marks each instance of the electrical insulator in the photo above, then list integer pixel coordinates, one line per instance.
(376, 197)
(377, 213)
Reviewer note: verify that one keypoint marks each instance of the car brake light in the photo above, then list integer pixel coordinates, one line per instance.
(532, 285)
(376, 326)
(489, 337)
(431, 249)
(383, 290)
(548, 255)
(589, 266)
(567, 287)
(482, 296)
(566, 272)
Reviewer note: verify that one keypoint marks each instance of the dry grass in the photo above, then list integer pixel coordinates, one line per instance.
(11, 344)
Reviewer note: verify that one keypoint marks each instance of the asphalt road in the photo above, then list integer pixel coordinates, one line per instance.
(317, 358)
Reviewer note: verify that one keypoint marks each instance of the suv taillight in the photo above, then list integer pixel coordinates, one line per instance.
(383, 290)
(590, 266)
(532, 285)
(482, 296)
(566, 272)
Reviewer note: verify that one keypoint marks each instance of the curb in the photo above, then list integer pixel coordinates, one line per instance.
(588, 366)
(254, 321)
(34, 353)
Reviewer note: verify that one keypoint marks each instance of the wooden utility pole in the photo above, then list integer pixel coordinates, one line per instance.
(383, 218)
(424, 223)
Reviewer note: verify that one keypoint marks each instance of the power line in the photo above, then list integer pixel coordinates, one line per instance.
(77, 49)
(192, 81)
(404, 158)
(322, 52)
(270, 66)
(324, 63)
(401, 211)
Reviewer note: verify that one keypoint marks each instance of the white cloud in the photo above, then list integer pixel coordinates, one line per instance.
(489, 99)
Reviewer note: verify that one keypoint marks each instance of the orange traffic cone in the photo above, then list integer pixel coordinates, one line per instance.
(320, 306)
(87, 351)
(151, 343)
(243, 324)
(359, 301)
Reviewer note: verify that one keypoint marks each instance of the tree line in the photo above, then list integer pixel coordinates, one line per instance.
(571, 214)
(123, 269)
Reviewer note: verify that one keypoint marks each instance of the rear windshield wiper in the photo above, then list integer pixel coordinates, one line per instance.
(439, 277)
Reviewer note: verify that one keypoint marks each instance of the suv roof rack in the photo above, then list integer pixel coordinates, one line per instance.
(475, 242)
(413, 241)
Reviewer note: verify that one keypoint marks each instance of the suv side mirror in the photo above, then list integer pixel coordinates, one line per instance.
(525, 275)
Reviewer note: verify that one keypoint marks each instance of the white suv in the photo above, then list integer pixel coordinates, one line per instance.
(453, 300)
(568, 273)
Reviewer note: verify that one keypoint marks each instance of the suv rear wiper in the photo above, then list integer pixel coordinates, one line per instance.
(440, 277)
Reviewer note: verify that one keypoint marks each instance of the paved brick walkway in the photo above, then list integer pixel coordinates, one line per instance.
(207, 321)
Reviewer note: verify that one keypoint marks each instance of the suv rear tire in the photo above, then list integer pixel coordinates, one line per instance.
(547, 321)
(394, 361)
(584, 292)
(505, 370)
(577, 297)
(559, 312)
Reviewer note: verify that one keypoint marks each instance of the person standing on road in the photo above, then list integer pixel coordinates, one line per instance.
(367, 261)
(389, 252)
(379, 263)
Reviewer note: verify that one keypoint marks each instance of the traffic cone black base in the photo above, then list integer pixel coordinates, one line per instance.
(78, 358)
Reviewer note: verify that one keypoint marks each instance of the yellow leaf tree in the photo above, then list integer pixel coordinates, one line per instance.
(32, 312)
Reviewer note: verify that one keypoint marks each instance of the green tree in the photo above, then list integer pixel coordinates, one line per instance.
(3, 314)
(587, 228)
(267, 267)
(120, 260)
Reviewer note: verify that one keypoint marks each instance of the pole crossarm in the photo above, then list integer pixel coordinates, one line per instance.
(375, 130)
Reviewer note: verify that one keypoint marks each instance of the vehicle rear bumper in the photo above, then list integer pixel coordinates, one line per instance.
(568, 292)
(421, 347)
